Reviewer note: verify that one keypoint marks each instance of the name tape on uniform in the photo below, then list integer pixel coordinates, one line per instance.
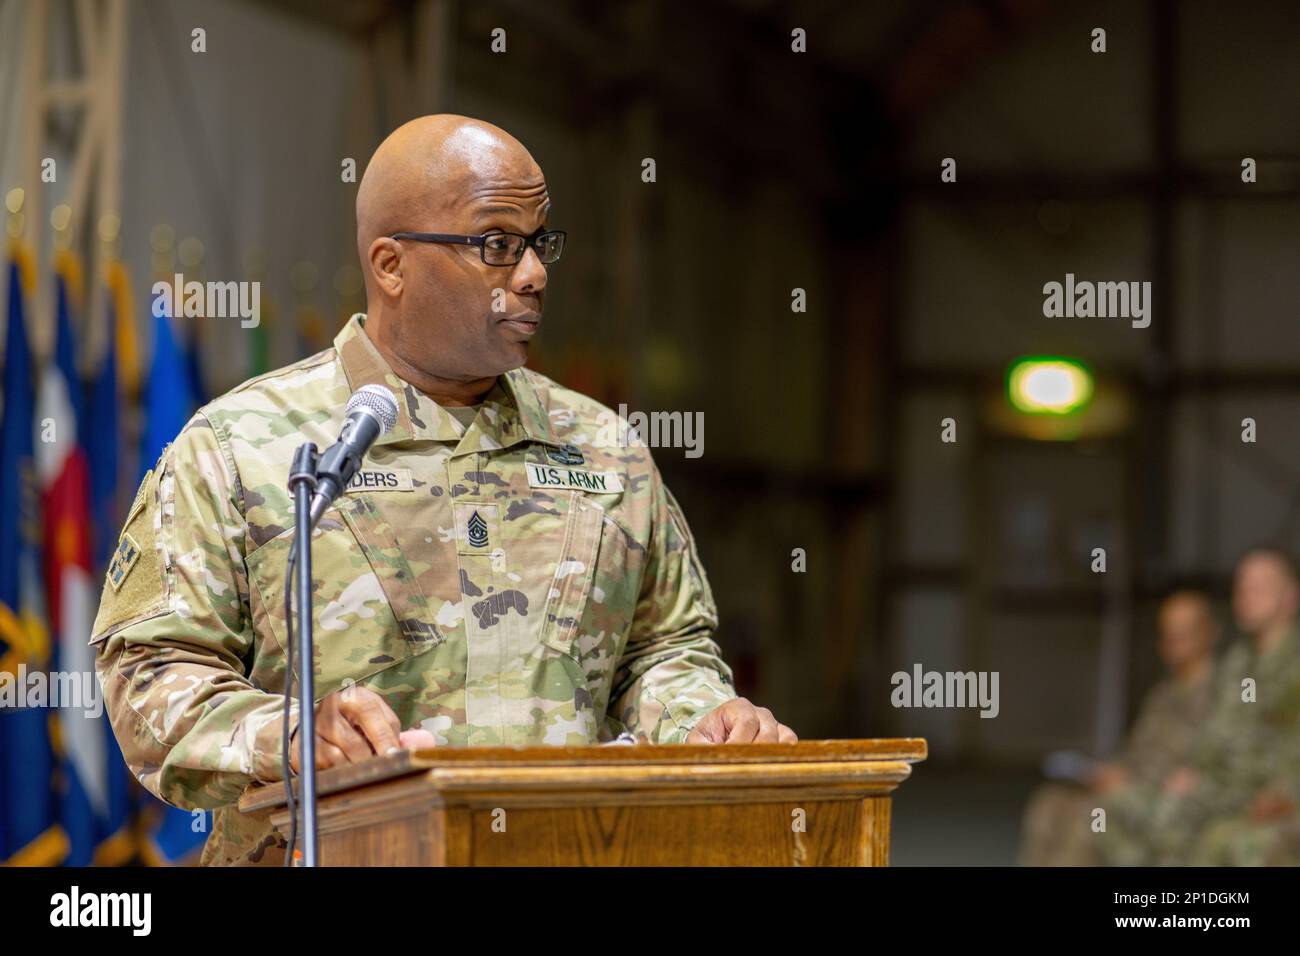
(382, 479)
(552, 476)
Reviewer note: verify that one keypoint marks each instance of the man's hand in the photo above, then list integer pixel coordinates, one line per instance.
(416, 739)
(740, 722)
(352, 724)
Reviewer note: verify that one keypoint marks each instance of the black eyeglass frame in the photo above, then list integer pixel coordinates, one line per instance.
(481, 241)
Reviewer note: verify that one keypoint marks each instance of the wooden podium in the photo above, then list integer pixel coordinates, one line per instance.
(814, 803)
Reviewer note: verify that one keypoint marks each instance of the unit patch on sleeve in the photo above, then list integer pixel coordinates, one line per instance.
(124, 559)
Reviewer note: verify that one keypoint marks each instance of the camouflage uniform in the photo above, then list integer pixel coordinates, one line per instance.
(1241, 750)
(481, 580)
(1058, 821)
(1237, 839)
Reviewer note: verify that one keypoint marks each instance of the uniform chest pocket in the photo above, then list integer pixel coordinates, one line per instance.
(547, 557)
(570, 589)
(370, 612)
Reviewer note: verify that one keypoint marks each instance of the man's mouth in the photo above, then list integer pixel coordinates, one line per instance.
(525, 324)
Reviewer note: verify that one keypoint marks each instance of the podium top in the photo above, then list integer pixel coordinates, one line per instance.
(886, 760)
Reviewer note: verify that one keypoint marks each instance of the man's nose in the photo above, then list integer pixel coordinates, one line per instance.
(530, 274)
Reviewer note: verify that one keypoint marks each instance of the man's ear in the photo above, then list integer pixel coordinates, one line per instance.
(386, 265)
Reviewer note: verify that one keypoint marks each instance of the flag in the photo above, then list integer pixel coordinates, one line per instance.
(70, 599)
(114, 385)
(169, 398)
(169, 401)
(94, 790)
(29, 831)
(173, 837)
(122, 330)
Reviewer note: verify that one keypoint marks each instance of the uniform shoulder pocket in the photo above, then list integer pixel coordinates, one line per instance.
(135, 585)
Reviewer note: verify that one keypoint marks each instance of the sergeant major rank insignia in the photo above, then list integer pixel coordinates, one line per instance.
(477, 528)
(124, 559)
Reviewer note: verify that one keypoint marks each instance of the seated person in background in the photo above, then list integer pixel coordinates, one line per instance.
(1267, 831)
(1239, 766)
(1058, 821)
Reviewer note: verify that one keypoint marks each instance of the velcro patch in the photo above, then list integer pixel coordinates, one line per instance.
(553, 477)
(138, 502)
(382, 479)
(124, 559)
(135, 584)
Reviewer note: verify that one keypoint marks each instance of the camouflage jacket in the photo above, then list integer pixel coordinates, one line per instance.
(1172, 713)
(1248, 744)
(519, 581)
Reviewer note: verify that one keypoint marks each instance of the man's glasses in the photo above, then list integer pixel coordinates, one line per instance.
(499, 248)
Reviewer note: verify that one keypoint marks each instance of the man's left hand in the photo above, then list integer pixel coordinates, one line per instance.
(740, 722)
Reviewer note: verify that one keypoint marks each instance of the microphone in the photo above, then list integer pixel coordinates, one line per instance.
(371, 412)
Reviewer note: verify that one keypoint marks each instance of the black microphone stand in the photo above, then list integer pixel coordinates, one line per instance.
(318, 480)
(302, 482)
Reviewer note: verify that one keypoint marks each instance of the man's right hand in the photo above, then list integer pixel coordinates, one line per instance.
(352, 724)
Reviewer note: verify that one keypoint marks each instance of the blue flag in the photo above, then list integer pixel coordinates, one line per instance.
(29, 830)
(103, 438)
(101, 442)
(69, 588)
(96, 802)
(169, 402)
(169, 398)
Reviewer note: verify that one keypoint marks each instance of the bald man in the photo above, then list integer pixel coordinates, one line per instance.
(1058, 821)
(492, 576)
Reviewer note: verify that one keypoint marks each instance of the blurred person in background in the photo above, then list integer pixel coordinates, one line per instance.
(1265, 833)
(1234, 796)
(1057, 827)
